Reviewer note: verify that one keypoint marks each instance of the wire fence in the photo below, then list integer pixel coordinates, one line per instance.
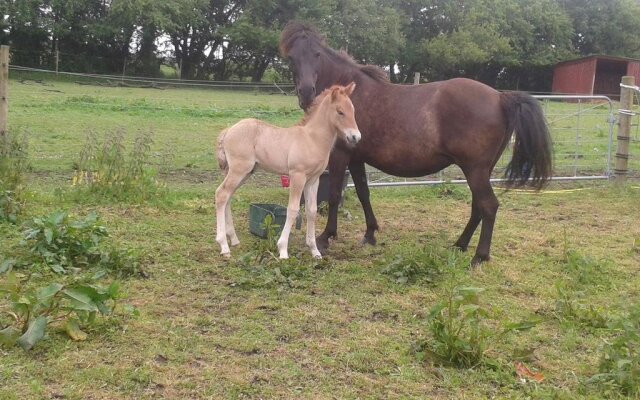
(156, 83)
(186, 117)
(582, 132)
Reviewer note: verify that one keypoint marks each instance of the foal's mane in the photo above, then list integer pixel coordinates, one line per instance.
(296, 30)
(313, 108)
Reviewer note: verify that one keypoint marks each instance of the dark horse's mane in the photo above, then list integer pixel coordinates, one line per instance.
(316, 103)
(296, 30)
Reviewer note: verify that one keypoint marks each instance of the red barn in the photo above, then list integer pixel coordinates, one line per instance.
(594, 75)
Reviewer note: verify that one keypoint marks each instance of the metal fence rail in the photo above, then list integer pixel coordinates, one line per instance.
(582, 133)
(581, 126)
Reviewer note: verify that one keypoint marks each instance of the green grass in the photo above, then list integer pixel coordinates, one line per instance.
(344, 328)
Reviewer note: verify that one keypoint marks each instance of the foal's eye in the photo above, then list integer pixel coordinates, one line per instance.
(340, 113)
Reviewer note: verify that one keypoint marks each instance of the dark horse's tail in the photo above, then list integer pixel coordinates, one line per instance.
(532, 151)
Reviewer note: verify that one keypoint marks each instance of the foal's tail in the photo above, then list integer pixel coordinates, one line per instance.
(532, 151)
(222, 157)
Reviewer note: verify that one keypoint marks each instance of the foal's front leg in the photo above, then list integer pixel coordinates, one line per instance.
(295, 192)
(311, 208)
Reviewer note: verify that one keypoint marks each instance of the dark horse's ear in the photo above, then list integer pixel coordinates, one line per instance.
(350, 88)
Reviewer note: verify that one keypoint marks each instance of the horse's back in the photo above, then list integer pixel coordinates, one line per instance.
(429, 126)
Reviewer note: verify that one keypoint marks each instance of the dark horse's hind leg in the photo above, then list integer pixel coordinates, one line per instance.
(484, 207)
(337, 166)
(463, 241)
(359, 176)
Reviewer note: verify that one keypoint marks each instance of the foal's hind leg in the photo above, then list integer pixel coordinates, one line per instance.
(230, 229)
(224, 192)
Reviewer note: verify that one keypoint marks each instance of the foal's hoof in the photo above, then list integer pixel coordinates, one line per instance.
(226, 255)
(235, 242)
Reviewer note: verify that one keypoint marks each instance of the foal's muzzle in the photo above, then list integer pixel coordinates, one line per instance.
(353, 136)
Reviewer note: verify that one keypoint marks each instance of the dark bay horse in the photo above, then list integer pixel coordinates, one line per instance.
(413, 131)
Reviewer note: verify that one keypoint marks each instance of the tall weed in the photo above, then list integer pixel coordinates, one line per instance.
(107, 170)
(459, 331)
(13, 166)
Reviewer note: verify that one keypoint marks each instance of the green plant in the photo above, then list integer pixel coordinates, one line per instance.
(281, 274)
(427, 264)
(61, 244)
(460, 334)
(107, 171)
(569, 307)
(583, 271)
(10, 206)
(30, 300)
(268, 248)
(13, 165)
(31, 309)
(261, 267)
(620, 363)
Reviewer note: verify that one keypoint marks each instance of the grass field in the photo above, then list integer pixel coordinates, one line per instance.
(356, 325)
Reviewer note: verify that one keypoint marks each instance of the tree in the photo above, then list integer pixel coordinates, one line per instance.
(370, 30)
(253, 38)
(196, 29)
(24, 30)
(608, 27)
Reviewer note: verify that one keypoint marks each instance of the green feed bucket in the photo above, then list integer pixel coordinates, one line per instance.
(258, 213)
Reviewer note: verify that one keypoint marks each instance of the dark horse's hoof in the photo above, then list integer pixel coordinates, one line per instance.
(369, 240)
(477, 260)
(322, 243)
(459, 247)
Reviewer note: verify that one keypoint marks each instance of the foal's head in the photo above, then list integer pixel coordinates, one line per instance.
(336, 108)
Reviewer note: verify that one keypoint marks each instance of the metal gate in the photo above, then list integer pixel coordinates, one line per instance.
(582, 133)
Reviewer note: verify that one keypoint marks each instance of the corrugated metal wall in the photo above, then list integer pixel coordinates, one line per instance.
(633, 69)
(575, 77)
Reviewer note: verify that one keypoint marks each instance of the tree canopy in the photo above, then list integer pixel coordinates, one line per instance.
(505, 43)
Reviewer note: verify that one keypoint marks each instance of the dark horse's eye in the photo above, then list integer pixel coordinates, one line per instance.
(317, 54)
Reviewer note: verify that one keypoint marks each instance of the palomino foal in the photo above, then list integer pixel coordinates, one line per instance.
(301, 151)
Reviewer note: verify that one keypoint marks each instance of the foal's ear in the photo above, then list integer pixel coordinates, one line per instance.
(350, 88)
(334, 93)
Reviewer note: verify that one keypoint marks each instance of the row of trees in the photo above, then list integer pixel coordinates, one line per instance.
(506, 43)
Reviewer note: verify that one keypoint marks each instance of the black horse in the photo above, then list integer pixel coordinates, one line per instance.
(413, 131)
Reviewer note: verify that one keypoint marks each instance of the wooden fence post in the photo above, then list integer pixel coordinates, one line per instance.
(416, 78)
(624, 128)
(4, 83)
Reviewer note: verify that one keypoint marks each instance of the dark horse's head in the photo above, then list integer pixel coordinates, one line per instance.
(303, 46)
